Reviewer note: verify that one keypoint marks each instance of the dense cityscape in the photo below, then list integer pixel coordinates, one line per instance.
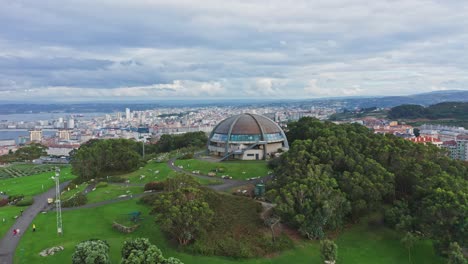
(62, 135)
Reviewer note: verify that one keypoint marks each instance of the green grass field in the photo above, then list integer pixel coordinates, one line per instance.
(359, 244)
(35, 184)
(152, 171)
(8, 213)
(239, 170)
(158, 171)
(111, 192)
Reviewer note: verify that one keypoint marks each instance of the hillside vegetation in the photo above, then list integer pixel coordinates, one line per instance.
(447, 110)
(337, 174)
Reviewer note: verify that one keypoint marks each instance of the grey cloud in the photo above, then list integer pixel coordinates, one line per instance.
(267, 48)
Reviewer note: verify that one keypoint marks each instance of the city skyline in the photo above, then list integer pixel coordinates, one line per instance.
(141, 50)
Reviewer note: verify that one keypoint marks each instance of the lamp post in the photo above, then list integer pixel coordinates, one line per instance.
(58, 204)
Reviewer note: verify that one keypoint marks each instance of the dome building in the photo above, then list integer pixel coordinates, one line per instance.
(247, 137)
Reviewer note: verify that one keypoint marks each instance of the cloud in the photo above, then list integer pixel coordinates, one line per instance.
(237, 49)
(177, 89)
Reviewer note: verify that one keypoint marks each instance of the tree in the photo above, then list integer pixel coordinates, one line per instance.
(416, 132)
(312, 202)
(98, 158)
(408, 241)
(455, 254)
(26, 153)
(91, 252)
(141, 251)
(329, 251)
(183, 213)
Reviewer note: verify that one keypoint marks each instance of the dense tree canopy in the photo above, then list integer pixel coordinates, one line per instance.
(26, 153)
(169, 143)
(98, 158)
(428, 191)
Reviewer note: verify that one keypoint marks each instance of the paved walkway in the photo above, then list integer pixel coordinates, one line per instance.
(9, 242)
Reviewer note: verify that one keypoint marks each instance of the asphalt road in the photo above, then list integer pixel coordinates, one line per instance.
(9, 242)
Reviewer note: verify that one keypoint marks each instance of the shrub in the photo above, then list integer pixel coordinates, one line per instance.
(91, 252)
(3, 202)
(15, 198)
(154, 186)
(149, 199)
(101, 185)
(26, 201)
(76, 200)
(329, 250)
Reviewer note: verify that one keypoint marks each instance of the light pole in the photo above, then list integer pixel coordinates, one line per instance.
(58, 204)
(143, 141)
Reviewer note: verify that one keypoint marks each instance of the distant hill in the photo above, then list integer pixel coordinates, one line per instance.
(424, 99)
(446, 110)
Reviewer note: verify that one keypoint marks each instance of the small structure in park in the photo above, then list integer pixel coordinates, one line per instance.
(247, 137)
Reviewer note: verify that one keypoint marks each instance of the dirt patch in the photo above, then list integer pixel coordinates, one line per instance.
(292, 233)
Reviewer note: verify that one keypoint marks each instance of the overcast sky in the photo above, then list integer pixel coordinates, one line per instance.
(182, 49)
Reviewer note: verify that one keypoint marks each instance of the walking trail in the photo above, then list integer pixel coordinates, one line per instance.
(9, 242)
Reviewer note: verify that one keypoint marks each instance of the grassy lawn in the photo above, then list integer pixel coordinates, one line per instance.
(111, 192)
(239, 170)
(32, 185)
(361, 244)
(152, 171)
(158, 171)
(7, 213)
(357, 245)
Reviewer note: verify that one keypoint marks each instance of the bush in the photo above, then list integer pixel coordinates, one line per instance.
(154, 186)
(26, 201)
(76, 200)
(93, 251)
(101, 185)
(329, 250)
(15, 198)
(3, 202)
(149, 199)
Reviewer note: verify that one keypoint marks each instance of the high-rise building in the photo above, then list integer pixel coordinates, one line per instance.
(35, 135)
(71, 123)
(64, 134)
(127, 113)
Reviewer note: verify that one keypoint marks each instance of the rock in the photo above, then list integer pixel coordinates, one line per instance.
(50, 251)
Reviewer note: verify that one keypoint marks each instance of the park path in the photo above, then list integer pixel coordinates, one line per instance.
(227, 183)
(9, 242)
